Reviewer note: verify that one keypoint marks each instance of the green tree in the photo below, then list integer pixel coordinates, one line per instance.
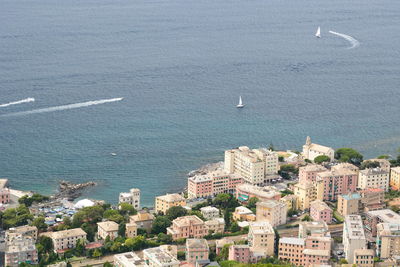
(222, 200)
(175, 212)
(251, 204)
(164, 238)
(350, 155)
(107, 264)
(97, 253)
(127, 209)
(234, 227)
(227, 218)
(46, 243)
(306, 218)
(113, 215)
(223, 254)
(369, 164)
(122, 229)
(343, 261)
(383, 157)
(160, 224)
(322, 158)
(39, 222)
(291, 212)
(88, 215)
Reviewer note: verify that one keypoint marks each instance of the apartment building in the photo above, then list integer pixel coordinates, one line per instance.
(383, 163)
(209, 212)
(320, 211)
(395, 178)
(353, 236)
(349, 204)
(374, 178)
(372, 199)
(261, 238)
(388, 240)
(318, 228)
(339, 180)
(311, 150)
(246, 191)
(4, 191)
(374, 217)
(213, 183)
(20, 249)
(256, 166)
(309, 172)
(216, 225)
(107, 229)
(364, 257)
(242, 213)
(196, 250)
(165, 202)
(308, 192)
(290, 201)
(159, 257)
(143, 220)
(219, 244)
(24, 231)
(187, 227)
(240, 253)
(132, 197)
(291, 250)
(272, 211)
(67, 239)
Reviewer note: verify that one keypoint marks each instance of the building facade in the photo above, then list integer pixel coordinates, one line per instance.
(165, 202)
(187, 227)
(243, 213)
(159, 257)
(216, 225)
(20, 250)
(309, 172)
(196, 250)
(374, 178)
(209, 212)
(308, 192)
(107, 229)
(67, 239)
(131, 230)
(143, 220)
(375, 217)
(353, 236)
(395, 178)
(349, 204)
(261, 238)
(272, 211)
(132, 197)
(246, 191)
(311, 151)
(320, 211)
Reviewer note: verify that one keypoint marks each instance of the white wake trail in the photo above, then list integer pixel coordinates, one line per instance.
(26, 100)
(64, 107)
(354, 42)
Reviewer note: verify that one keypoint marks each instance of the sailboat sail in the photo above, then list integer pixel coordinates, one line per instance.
(318, 33)
(240, 101)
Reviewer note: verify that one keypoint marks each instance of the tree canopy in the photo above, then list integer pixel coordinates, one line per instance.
(350, 155)
(321, 158)
(175, 212)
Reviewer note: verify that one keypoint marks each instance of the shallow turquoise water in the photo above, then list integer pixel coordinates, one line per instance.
(181, 66)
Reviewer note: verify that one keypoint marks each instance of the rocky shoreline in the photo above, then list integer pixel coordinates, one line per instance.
(72, 191)
(207, 169)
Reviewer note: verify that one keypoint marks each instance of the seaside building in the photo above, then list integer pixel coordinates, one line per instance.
(128, 259)
(320, 211)
(67, 239)
(165, 202)
(213, 183)
(311, 151)
(216, 225)
(132, 197)
(339, 180)
(196, 250)
(131, 230)
(374, 217)
(246, 191)
(272, 211)
(256, 166)
(372, 199)
(209, 212)
(4, 191)
(261, 238)
(20, 249)
(159, 257)
(374, 178)
(308, 192)
(243, 214)
(388, 240)
(143, 220)
(353, 236)
(187, 227)
(349, 204)
(395, 178)
(108, 228)
(309, 172)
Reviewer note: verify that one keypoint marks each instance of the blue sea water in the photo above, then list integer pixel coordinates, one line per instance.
(180, 66)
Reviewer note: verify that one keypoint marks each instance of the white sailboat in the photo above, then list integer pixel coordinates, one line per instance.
(240, 105)
(318, 33)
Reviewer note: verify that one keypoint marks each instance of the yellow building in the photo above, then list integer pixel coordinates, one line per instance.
(131, 230)
(388, 240)
(108, 228)
(165, 202)
(395, 178)
(307, 193)
(349, 204)
(290, 201)
(272, 211)
(261, 238)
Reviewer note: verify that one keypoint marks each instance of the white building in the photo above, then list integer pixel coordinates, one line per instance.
(256, 166)
(132, 197)
(159, 257)
(128, 259)
(209, 212)
(311, 151)
(353, 236)
(66, 239)
(374, 178)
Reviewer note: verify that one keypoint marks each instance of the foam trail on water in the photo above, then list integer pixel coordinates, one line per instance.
(64, 107)
(26, 100)
(354, 42)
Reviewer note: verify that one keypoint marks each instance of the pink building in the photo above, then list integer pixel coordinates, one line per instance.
(320, 211)
(4, 191)
(187, 227)
(246, 191)
(340, 180)
(309, 173)
(196, 250)
(212, 184)
(240, 253)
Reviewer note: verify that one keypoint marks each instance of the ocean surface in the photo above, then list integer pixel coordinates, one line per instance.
(180, 66)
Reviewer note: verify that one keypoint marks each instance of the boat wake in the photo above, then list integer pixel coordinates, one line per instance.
(354, 42)
(64, 107)
(26, 100)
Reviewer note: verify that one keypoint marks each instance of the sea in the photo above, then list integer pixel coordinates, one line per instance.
(179, 67)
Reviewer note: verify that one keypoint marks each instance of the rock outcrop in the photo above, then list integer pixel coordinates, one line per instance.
(72, 191)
